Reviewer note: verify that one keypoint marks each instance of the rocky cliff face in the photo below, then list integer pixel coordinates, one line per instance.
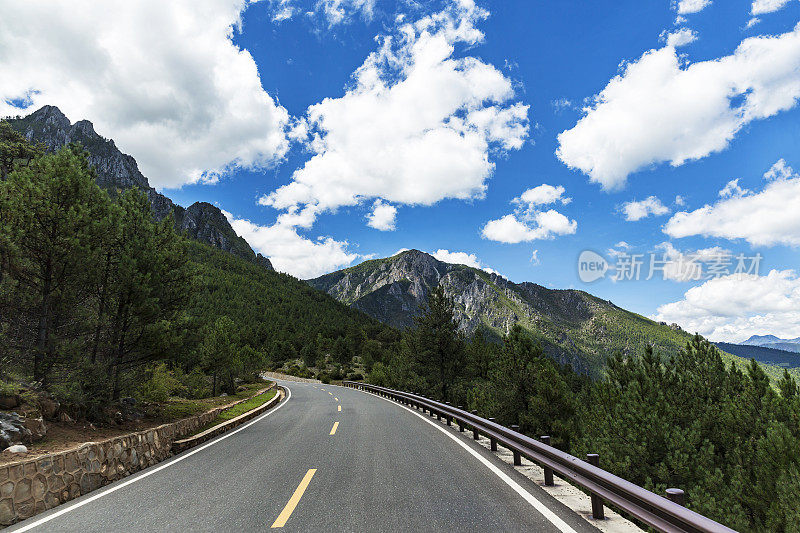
(573, 326)
(117, 172)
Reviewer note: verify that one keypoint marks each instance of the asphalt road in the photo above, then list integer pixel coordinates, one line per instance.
(384, 468)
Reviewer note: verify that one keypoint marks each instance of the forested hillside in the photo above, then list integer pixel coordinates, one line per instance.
(100, 300)
(689, 420)
(115, 172)
(573, 327)
(764, 354)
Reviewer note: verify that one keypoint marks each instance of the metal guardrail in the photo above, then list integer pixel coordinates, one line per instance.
(664, 514)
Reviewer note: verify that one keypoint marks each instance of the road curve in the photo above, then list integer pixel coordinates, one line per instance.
(383, 467)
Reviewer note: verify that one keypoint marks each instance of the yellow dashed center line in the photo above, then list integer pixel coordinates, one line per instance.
(340, 408)
(294, 500)
(335, 398)
(333, 429)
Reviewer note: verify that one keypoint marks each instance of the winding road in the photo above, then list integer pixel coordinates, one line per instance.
(326, 458)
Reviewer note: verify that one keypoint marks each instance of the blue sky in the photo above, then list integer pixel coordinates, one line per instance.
(261, 113)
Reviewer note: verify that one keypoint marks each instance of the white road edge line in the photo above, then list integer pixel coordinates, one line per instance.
(152, 470)
(527, 496)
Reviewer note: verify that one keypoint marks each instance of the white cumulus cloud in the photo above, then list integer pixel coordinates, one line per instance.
(529, 222)
(382, 217)
(542, 195)
(675, 265)
(292, 253)
(689, 7)
(417, 126)
(752, 22)
(764, 218)
(678, 38)
(543, 225)
(283, 10)
(699, 107)
(651, 205)
(762, 7)
(163, 79)
(734, 307)
(732, 190)
(461, 258)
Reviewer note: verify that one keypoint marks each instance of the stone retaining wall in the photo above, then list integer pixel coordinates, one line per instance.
(179, 446)
(287, 377)
(31, 486)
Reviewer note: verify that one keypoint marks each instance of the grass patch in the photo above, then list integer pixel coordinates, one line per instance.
(177, 408)
(237, 410)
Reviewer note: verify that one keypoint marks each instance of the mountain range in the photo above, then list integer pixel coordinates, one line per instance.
(771, 341)
(763, 354)
(572, 326)
(117, 172)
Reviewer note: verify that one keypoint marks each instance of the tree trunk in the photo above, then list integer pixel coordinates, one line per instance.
(101, 310)
(43, 332)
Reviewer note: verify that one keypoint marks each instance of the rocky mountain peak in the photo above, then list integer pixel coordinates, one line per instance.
(117, 172)
(573, 326)
(84, 127)
(52, 115)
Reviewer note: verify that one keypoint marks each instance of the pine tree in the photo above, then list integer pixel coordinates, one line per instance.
(15, 149)
(439, 346)
(220, 353)
(146, 291)
(54, 228)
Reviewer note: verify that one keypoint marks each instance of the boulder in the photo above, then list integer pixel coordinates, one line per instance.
(17, 448)
(36, 426)
(13, 430)
(9, 401)
(48, 407)
(64, 417)
(129, 411)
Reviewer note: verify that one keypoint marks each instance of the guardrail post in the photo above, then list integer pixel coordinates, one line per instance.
(492, 440)
(677, 496)
(548, 472)
(461, 422)
(448, 417)
(597, 502)
(474, 427)
(517, 457)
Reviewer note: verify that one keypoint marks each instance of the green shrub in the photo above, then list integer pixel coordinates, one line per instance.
(8, 389)
(195, 383)
(160, 385)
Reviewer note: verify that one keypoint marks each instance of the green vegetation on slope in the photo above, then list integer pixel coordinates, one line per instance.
(99, 301)
(238, 410)
(688, 420)
(573, 327)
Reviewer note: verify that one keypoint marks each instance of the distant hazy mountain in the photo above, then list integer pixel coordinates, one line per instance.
(573, 326)
(117, 172)
(771, 341)
(763, 354)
